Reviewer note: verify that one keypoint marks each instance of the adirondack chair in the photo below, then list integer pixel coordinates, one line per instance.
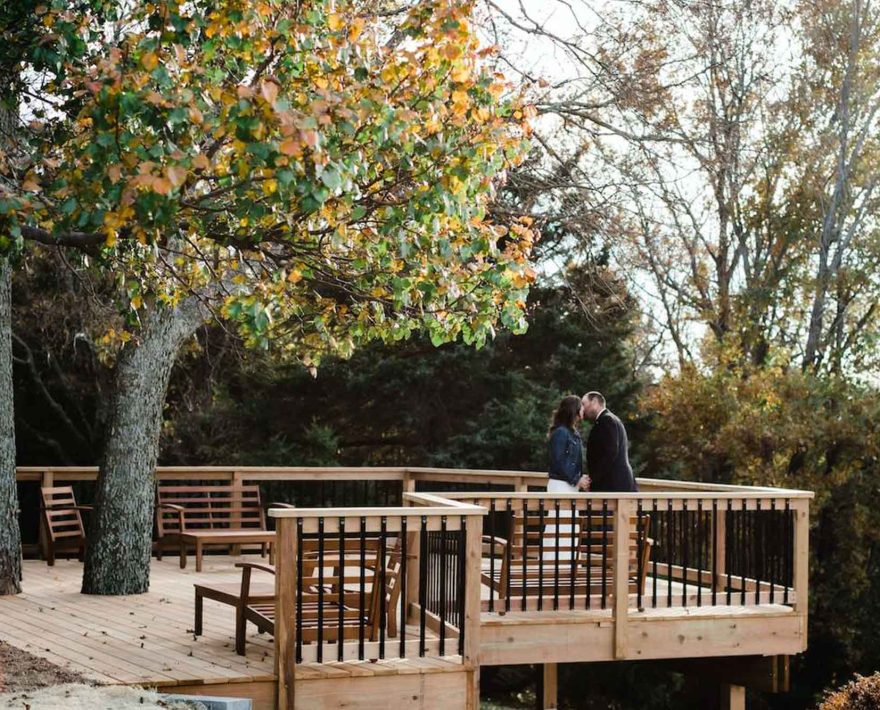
(555, 558)
(62, 518)
(340, 582)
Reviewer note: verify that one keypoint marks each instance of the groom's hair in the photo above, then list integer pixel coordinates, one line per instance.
(596, 395)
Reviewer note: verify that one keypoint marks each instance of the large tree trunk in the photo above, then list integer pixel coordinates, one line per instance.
(120, 535)
(10, 534)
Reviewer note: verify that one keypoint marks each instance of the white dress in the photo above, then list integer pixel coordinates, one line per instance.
(559, 535)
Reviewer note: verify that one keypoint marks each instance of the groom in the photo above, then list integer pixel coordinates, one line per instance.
(607, 457)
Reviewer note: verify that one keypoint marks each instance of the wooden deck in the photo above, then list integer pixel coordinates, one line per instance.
(148, 640)
(143, 639)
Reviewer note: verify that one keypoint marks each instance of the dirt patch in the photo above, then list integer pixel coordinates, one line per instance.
(20, 670)
(90, 697)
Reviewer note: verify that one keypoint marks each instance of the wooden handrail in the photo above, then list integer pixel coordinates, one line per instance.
(518, 479)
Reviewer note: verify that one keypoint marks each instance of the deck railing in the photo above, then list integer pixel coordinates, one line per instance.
(673, 545)
(377, 583)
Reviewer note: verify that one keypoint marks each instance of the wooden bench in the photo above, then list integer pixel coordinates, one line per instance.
(62, 518)
(555, 558)
(324, 596)
(209, 515)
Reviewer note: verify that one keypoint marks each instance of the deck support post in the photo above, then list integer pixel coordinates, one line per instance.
(285, 615)
(623, 512)
(733, 697)
(549, 699)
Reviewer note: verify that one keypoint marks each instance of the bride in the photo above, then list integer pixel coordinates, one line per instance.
(566, 472)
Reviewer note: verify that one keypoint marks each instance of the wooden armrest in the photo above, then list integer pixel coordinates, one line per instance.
(256, 565)
(172, 506)
(497, 540)
(281, 505)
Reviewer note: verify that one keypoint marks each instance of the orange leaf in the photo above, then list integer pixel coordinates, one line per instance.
(269, 90)
(290, 147)
(176, 175)
(149, 61)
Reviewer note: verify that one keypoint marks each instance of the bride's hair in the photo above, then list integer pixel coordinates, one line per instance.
(567, 412)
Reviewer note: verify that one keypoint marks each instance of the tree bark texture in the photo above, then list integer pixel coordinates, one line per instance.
(119, 541)
(10, 533)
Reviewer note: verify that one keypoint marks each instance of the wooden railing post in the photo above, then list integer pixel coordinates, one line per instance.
(801, 558)
(623, 512)
(471, 621)
(47, 480)
(285, 613)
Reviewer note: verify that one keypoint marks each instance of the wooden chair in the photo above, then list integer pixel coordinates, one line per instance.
(555, 558)
(320, 611)
(226, 515)
(62, 518)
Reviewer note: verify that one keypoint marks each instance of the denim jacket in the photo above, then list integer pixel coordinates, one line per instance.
(566, 455)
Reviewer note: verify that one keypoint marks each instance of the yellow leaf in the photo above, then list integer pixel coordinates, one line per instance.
(195, 115)
(334, 22)
(30, 186)
(136, 302)
(357, 26)
(111, 238)
(295, 276)
(149, 61)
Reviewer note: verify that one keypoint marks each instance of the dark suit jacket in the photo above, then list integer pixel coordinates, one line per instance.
(607, 456)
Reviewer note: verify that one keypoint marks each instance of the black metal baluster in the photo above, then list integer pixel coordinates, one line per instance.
(656, 519)
(728, 553)
(321, 589)
(744, 546)
(589, 553)
(492, 555)
(423, 582)
(699, 553)
(299, 589)
(462, 587)
(525, 555)
(788, 547)
(640, 542)
(340, 620)
(685, 530)
(773, 572)
(443, 564)
(605, 550)
(540, 554)
(402, 547)
(573, 554)
(362, 602)
(670, 534)
(759, 545)
(714, 552)
(383, 584)
(556, 560)
(507, 551)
